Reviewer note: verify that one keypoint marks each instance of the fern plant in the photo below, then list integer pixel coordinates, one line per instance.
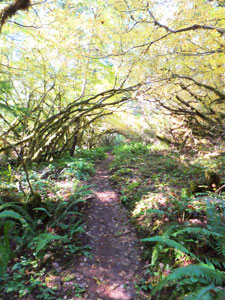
(19, 209)
(5, 251)
(206, 293)
(171, 244)
(164, 243)
(40, 242)
(8, 219)
(206, 279)
(216, 224)
(10, 214)
(211, 277)
(91, 154)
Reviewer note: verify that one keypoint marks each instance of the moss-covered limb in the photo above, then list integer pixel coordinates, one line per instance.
(207, 105)
(184, 29)
(21, 160)
(11, 126)
(168, 141)
(11, 10)
(43, 135)
(200, 84)
(84, 106)
(197, 112)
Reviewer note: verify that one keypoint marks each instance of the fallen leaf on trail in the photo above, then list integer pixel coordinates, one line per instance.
(97, 280)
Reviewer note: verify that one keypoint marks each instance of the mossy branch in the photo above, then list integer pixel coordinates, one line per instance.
(11, 10)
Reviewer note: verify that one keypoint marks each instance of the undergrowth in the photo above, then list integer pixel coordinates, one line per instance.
(183, 231)
(45, 227)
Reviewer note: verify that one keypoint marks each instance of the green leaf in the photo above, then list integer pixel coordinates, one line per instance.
(170, 243)
(200, 271)
(42, 209)
(43, 239)
(157, 211)
(10, 214)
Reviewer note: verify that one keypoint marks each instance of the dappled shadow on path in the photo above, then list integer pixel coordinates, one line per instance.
(115, 265)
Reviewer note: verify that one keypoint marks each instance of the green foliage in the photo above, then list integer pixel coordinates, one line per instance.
(214, 234)
(18, 211)
(178, 228)
(43, 230)
(171, 244)
(40, 242)
(196, 271)
(50, 101)
(80, 167)
(9, 214)
(132, 186)
(206, 293)
(91, 154)
(143, 285)
(7, 222)
(157, 212)
(79, 290)
(109, 141)
(63, 208)
(19, 284)
(131, 149)
(5, 251)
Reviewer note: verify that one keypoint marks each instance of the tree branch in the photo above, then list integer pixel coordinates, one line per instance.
(216, 91)
(11, 10)
(192, 27)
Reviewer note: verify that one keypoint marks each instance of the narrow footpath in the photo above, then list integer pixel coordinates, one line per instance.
(115, 266)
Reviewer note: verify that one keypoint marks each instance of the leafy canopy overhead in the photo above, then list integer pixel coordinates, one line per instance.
(66, 65)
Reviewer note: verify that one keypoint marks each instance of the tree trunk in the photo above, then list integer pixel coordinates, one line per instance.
(73, 145)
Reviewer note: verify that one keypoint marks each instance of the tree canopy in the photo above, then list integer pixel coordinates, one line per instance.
(66, 66)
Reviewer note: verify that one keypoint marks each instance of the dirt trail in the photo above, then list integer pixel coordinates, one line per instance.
(115, 265)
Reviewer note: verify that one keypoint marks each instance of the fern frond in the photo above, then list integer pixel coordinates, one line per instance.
(78, 227)
(202, 294)
(213, 276)
(40, 242)
(221, 247)
(60, 207)
(10, 214)
(4, 259)
(157, 211)
(170, 243)
(82, 191)
(214, 218)
(7, 226)
(170, 230)
(215, 261)
(15, 207)
(155, 253)
(42, 209)
(5, 252)
(197, 231)
(76, 201)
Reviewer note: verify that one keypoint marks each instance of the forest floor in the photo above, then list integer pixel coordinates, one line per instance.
(80, 242)
(115, 265)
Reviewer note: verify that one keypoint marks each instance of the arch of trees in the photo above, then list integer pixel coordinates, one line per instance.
(67, 65)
